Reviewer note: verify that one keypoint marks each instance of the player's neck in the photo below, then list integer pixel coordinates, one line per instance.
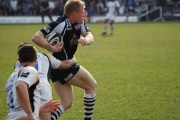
(32, 64)
(71, 19)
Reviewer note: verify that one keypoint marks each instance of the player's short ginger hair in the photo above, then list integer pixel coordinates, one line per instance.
(73, 5)
(26, 52)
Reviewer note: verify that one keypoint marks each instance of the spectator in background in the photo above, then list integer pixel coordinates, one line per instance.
(45, 10)
(93, 5)
(1, 7)
(33, 9)
(7, 8)
(129, 11)
(99, 7)
(37, 6)
(20, 7)
(137, 9)
(91, 11)
(25, 8)
(176, 11)
(14, 6)
(59, 7)
(51, 6)
(144, 7)
(154, 14)
(122, 8)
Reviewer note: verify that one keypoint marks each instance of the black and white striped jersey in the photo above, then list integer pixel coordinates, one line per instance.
(70, 32)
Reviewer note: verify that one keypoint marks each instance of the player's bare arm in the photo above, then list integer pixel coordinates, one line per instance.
(22, 93)
(40, 40)
(65, 64)
(87, 39)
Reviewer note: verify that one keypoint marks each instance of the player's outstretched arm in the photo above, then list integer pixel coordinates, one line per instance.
(87, 39)
(65, 64)
(40, 40)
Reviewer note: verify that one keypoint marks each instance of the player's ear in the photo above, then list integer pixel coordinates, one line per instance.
(18, 59)
(35, 59)
(75, 13)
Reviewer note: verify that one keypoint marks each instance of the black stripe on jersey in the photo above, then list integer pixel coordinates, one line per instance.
(85, 25)
(31, 95)
(49, 69)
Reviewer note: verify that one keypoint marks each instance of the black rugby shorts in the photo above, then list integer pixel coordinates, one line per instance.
(63, 76)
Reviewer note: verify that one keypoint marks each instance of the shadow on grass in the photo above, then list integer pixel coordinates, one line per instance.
(108, 35)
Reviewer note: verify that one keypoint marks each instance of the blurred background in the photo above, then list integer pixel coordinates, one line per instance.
(19, 11)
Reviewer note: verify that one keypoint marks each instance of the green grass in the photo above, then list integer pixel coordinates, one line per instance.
(137, 70)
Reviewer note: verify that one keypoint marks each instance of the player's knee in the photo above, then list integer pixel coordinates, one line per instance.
(67, 105)
(95, 84)
(92, 87)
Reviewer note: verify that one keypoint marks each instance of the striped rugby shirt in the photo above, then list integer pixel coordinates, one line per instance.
(70, 32)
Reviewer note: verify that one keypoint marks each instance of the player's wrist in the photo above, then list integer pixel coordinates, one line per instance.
(50, 48)
(74, 61)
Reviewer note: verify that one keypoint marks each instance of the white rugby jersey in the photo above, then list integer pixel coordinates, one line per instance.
(112, 5)
(44, 64)
(30, 76)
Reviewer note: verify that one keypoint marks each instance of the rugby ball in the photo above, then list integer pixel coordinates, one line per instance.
(54, 38)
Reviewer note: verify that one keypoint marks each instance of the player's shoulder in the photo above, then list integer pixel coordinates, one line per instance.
(61, 19)
(40, 55)
(29, 69)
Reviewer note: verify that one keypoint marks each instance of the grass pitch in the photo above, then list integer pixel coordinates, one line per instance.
(137, 70)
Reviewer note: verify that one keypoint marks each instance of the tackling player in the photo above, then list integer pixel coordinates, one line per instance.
(23, 88)
(43, 65)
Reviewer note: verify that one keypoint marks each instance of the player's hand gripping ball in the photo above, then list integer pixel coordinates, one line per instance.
(54, 38)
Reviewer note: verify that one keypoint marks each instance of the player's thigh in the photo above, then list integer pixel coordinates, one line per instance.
(46, 93)
(112, 17)
(65, 92)
(107, 17)
(83, 79)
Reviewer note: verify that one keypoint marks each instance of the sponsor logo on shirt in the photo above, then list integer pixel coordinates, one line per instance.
(74, 40)
(78, 26)
(24, 74)
(69, 28)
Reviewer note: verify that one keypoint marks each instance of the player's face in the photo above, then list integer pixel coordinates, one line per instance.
(80, 16)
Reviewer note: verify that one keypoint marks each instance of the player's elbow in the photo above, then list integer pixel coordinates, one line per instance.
(35, 38)
(38, 36)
